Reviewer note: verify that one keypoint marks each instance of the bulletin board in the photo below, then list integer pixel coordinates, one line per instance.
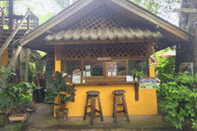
(111, 69)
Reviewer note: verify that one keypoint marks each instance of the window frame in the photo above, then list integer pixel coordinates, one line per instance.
(104, 76)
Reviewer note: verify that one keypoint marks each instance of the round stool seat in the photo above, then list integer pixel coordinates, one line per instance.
(119, 92)
(93, 93)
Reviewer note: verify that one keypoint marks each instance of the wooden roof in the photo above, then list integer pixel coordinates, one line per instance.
(104, 34)
(83, 8)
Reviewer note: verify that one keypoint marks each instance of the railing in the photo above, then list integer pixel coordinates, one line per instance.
(30, 23)
(2, 13)
(18, 27)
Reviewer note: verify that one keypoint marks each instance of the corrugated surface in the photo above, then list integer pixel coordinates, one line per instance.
(104, 34)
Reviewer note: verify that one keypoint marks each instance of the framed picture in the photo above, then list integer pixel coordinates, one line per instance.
(111, 68)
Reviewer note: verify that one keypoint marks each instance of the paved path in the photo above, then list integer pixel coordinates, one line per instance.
(38, 119)
(43, 120)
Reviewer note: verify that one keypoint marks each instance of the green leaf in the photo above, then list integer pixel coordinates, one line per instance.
(70, 98)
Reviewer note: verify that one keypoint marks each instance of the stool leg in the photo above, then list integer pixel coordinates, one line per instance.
(113, 106)
(124, 102)
(115, 110)
(92, 112)
(101, 113)
(123, 106)
(85, 113)
(94, 107)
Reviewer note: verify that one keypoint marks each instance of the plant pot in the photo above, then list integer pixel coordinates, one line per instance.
(61, 115)
(18, 117)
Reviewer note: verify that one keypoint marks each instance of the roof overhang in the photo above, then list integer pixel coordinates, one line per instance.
(35, 38)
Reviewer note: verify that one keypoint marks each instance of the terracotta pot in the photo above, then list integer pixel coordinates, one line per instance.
(61, 115)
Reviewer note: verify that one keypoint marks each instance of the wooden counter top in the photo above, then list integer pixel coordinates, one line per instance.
(136, 84)
(107, 83)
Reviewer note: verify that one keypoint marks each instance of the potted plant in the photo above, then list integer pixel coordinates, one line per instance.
(17, 98)
(6, 104)
(58, 86)
(138, 74)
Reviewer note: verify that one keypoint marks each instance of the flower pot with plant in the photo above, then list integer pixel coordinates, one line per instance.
(58, 86)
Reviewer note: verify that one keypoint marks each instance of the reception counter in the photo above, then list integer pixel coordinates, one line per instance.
(139, 101)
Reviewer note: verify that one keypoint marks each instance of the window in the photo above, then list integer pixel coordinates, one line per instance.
(69, 66)
(92, 68)
(138, 65)
(121, 65)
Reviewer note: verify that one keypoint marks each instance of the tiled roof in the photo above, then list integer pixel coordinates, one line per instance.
(104, 34)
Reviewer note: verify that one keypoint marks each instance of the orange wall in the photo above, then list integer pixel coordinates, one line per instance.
(151, 68)
(57, 66)
(146, 105)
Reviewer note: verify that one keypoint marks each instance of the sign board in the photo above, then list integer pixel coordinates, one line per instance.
(87, 71)
(76, 77)
(129, 78)
(105, 58)
(111, 68)
(148, 83)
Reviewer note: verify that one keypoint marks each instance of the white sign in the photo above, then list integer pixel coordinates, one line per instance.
(76, 78)
(129, 78)
(105, 58)
(109, 73)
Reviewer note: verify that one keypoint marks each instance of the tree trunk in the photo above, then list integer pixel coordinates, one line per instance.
(186, 51)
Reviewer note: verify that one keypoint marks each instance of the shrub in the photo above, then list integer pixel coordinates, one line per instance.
(16, 96)
(178, 98)
(165, 68)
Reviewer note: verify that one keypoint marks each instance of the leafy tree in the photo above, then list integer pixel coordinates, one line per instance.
(6, 5)
(45, 18)
(64, 3)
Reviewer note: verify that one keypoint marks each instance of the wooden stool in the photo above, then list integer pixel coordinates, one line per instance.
(119, 94)
(92, 95)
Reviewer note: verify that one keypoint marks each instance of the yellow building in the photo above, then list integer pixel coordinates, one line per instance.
(107, 41)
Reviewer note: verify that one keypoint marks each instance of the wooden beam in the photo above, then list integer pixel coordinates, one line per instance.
(56, 20)
(137, 91)
(186, 10)
(13, 60)
(12, 35)
(101, 41)
(151, 18)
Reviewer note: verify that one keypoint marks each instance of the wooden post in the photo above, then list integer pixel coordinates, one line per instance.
(27, 65)
(22, 70)
(13, 60)
(3, 18)
(28, 23)
(127, 65)
(11, 14)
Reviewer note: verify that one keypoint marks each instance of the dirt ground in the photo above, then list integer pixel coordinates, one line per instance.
(43, 120)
